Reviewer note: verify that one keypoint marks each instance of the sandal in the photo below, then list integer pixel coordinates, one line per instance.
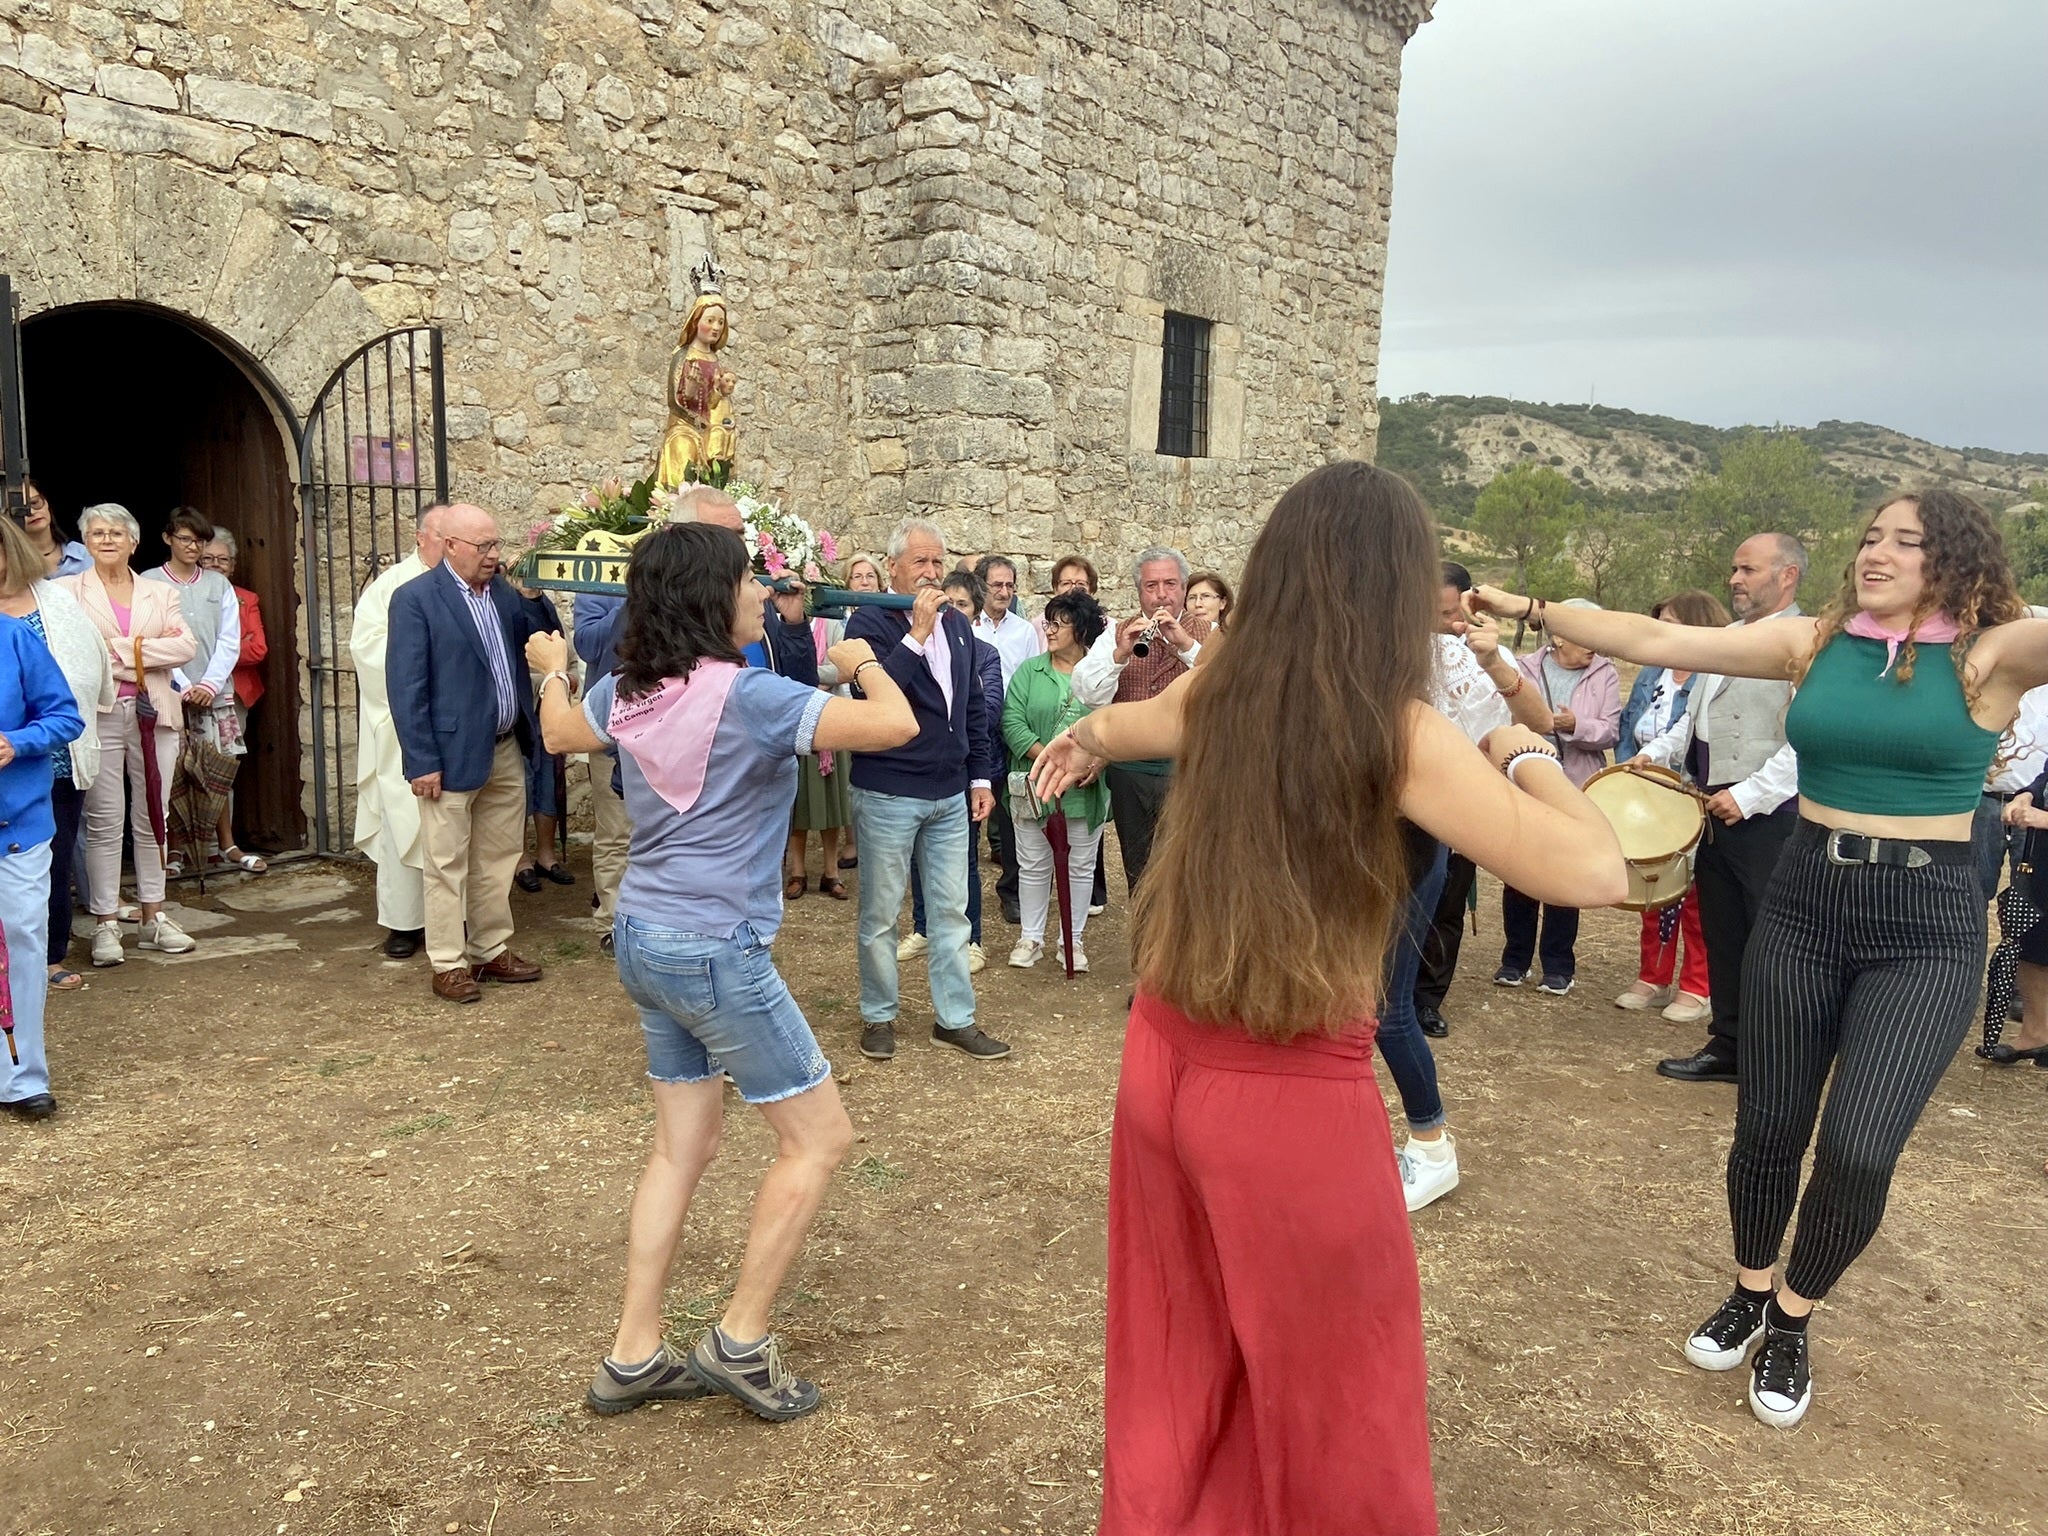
(793, 887)
(232, 854)
(62, 980)
(849, 861)
(833, 886)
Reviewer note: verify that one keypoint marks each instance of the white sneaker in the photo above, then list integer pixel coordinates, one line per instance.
(911, 947)
(1643, 995)
(1026, 954)
(1097, 911)
(106, 944)
(1429, 1170)
(1688, 1008)
(165, 935)
(977, 959)
(1080, 957)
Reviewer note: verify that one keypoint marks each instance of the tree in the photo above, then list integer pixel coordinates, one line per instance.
(1525, 513)
(1615, 556)
(2026, 544)
(1768, 482)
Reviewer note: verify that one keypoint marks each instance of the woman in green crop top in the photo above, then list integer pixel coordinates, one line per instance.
(1866, 958)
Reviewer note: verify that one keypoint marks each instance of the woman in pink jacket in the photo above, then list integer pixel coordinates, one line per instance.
(138, 620)
(1584, 694)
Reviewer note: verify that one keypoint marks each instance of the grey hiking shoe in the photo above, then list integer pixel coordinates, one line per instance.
(666, 1378)
(758, 1380)
(878, 1042)
(972, 1041)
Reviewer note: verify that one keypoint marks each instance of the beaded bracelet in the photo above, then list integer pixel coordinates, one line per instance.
(1508, 763)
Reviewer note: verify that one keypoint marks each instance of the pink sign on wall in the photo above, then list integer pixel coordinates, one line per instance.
(382, 461)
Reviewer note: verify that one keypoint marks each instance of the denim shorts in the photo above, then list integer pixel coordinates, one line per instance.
(716, 1006)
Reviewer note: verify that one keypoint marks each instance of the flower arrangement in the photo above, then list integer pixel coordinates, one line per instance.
(611, 506)
(783, 543)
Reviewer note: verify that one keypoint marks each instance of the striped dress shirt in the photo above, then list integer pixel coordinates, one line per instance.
(491, 630)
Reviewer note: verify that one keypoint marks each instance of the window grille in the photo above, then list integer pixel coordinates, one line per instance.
(1184, 388)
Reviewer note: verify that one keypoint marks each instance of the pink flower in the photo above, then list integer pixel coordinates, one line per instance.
(811, 572)
(533, 534)
(776, 564)
(828, 546)
(590, 500)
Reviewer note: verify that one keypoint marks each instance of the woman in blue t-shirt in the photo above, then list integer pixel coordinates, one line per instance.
(708, 751)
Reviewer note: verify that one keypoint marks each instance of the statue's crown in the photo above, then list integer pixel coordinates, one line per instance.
(708, 275)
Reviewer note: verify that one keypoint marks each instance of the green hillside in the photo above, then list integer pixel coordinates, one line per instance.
(1624, 507)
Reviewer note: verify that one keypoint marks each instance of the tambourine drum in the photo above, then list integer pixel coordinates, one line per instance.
(1658, 822)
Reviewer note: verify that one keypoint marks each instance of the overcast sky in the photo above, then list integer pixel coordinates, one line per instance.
(1737, 211)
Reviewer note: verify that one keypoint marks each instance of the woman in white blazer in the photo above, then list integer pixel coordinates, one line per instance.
(81, 656)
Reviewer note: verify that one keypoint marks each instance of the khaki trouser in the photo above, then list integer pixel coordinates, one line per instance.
(610, 834)
(472, 841)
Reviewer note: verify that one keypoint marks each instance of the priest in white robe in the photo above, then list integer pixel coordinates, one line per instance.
(387, 814)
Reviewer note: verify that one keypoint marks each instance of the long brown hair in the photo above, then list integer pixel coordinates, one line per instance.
(23, 560)
(1280, 868)
(1700, 609)
(1964, 573)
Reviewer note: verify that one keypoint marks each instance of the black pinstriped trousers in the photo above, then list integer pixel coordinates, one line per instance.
(1871, 972)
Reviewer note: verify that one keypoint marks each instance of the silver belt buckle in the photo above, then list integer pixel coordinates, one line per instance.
(1833, 847)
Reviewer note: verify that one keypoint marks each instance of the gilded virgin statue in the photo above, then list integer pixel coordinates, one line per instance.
(700, 438)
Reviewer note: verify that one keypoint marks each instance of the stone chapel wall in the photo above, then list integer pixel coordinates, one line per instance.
(949, 236)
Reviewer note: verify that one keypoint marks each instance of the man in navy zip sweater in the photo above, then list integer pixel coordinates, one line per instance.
(922, 799)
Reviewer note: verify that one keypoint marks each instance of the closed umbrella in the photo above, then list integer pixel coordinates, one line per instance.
(147, 725)
(7, 1003)
(1056, 834)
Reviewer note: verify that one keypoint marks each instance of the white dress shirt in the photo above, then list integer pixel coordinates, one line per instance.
(1016, 640)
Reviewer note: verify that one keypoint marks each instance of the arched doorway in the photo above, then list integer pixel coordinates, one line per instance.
(136, 404)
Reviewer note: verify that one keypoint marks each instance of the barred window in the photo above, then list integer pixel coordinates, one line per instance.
(1184, 388)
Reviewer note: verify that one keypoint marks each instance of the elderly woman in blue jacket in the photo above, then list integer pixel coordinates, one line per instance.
(1656, 703)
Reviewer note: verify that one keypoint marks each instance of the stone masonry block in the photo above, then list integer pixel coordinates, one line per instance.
(31, 129)
(69, 68)
(138, 131)
(268, 278)
(190, 223)
(138, 87)
(261, 106)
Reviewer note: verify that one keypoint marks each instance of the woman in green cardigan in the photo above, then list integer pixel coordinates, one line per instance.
(1037, 707)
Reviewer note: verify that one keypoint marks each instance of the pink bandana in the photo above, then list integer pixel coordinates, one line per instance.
(669, 731)
(1938, 628)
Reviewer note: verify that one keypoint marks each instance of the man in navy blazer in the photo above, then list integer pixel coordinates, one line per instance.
(922, 799)
(462, 702)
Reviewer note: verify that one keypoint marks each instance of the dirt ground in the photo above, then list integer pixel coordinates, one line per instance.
(309, 1251)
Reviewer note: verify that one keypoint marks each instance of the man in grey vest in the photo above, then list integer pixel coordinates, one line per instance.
(1731, 743)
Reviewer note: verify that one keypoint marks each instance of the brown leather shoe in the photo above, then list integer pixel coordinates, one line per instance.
(458, 986)
(507, 967)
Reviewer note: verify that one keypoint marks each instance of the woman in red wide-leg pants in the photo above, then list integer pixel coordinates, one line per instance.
(1266, 1374)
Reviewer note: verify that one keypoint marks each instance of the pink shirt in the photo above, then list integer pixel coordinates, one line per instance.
(124, 618)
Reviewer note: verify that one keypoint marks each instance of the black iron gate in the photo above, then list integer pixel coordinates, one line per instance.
(13, 439)
(374, 455)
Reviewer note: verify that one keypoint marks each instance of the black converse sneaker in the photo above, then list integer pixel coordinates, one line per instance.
(1722, 1342)
(1780, 1387)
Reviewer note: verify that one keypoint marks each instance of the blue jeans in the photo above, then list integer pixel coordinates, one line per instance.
(712, 1006)
(25, 915)
(1401, 1041)
(893, 830)
(1518, 917)
(973, 890)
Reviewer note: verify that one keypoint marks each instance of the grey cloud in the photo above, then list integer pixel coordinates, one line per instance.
(1734, 212)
